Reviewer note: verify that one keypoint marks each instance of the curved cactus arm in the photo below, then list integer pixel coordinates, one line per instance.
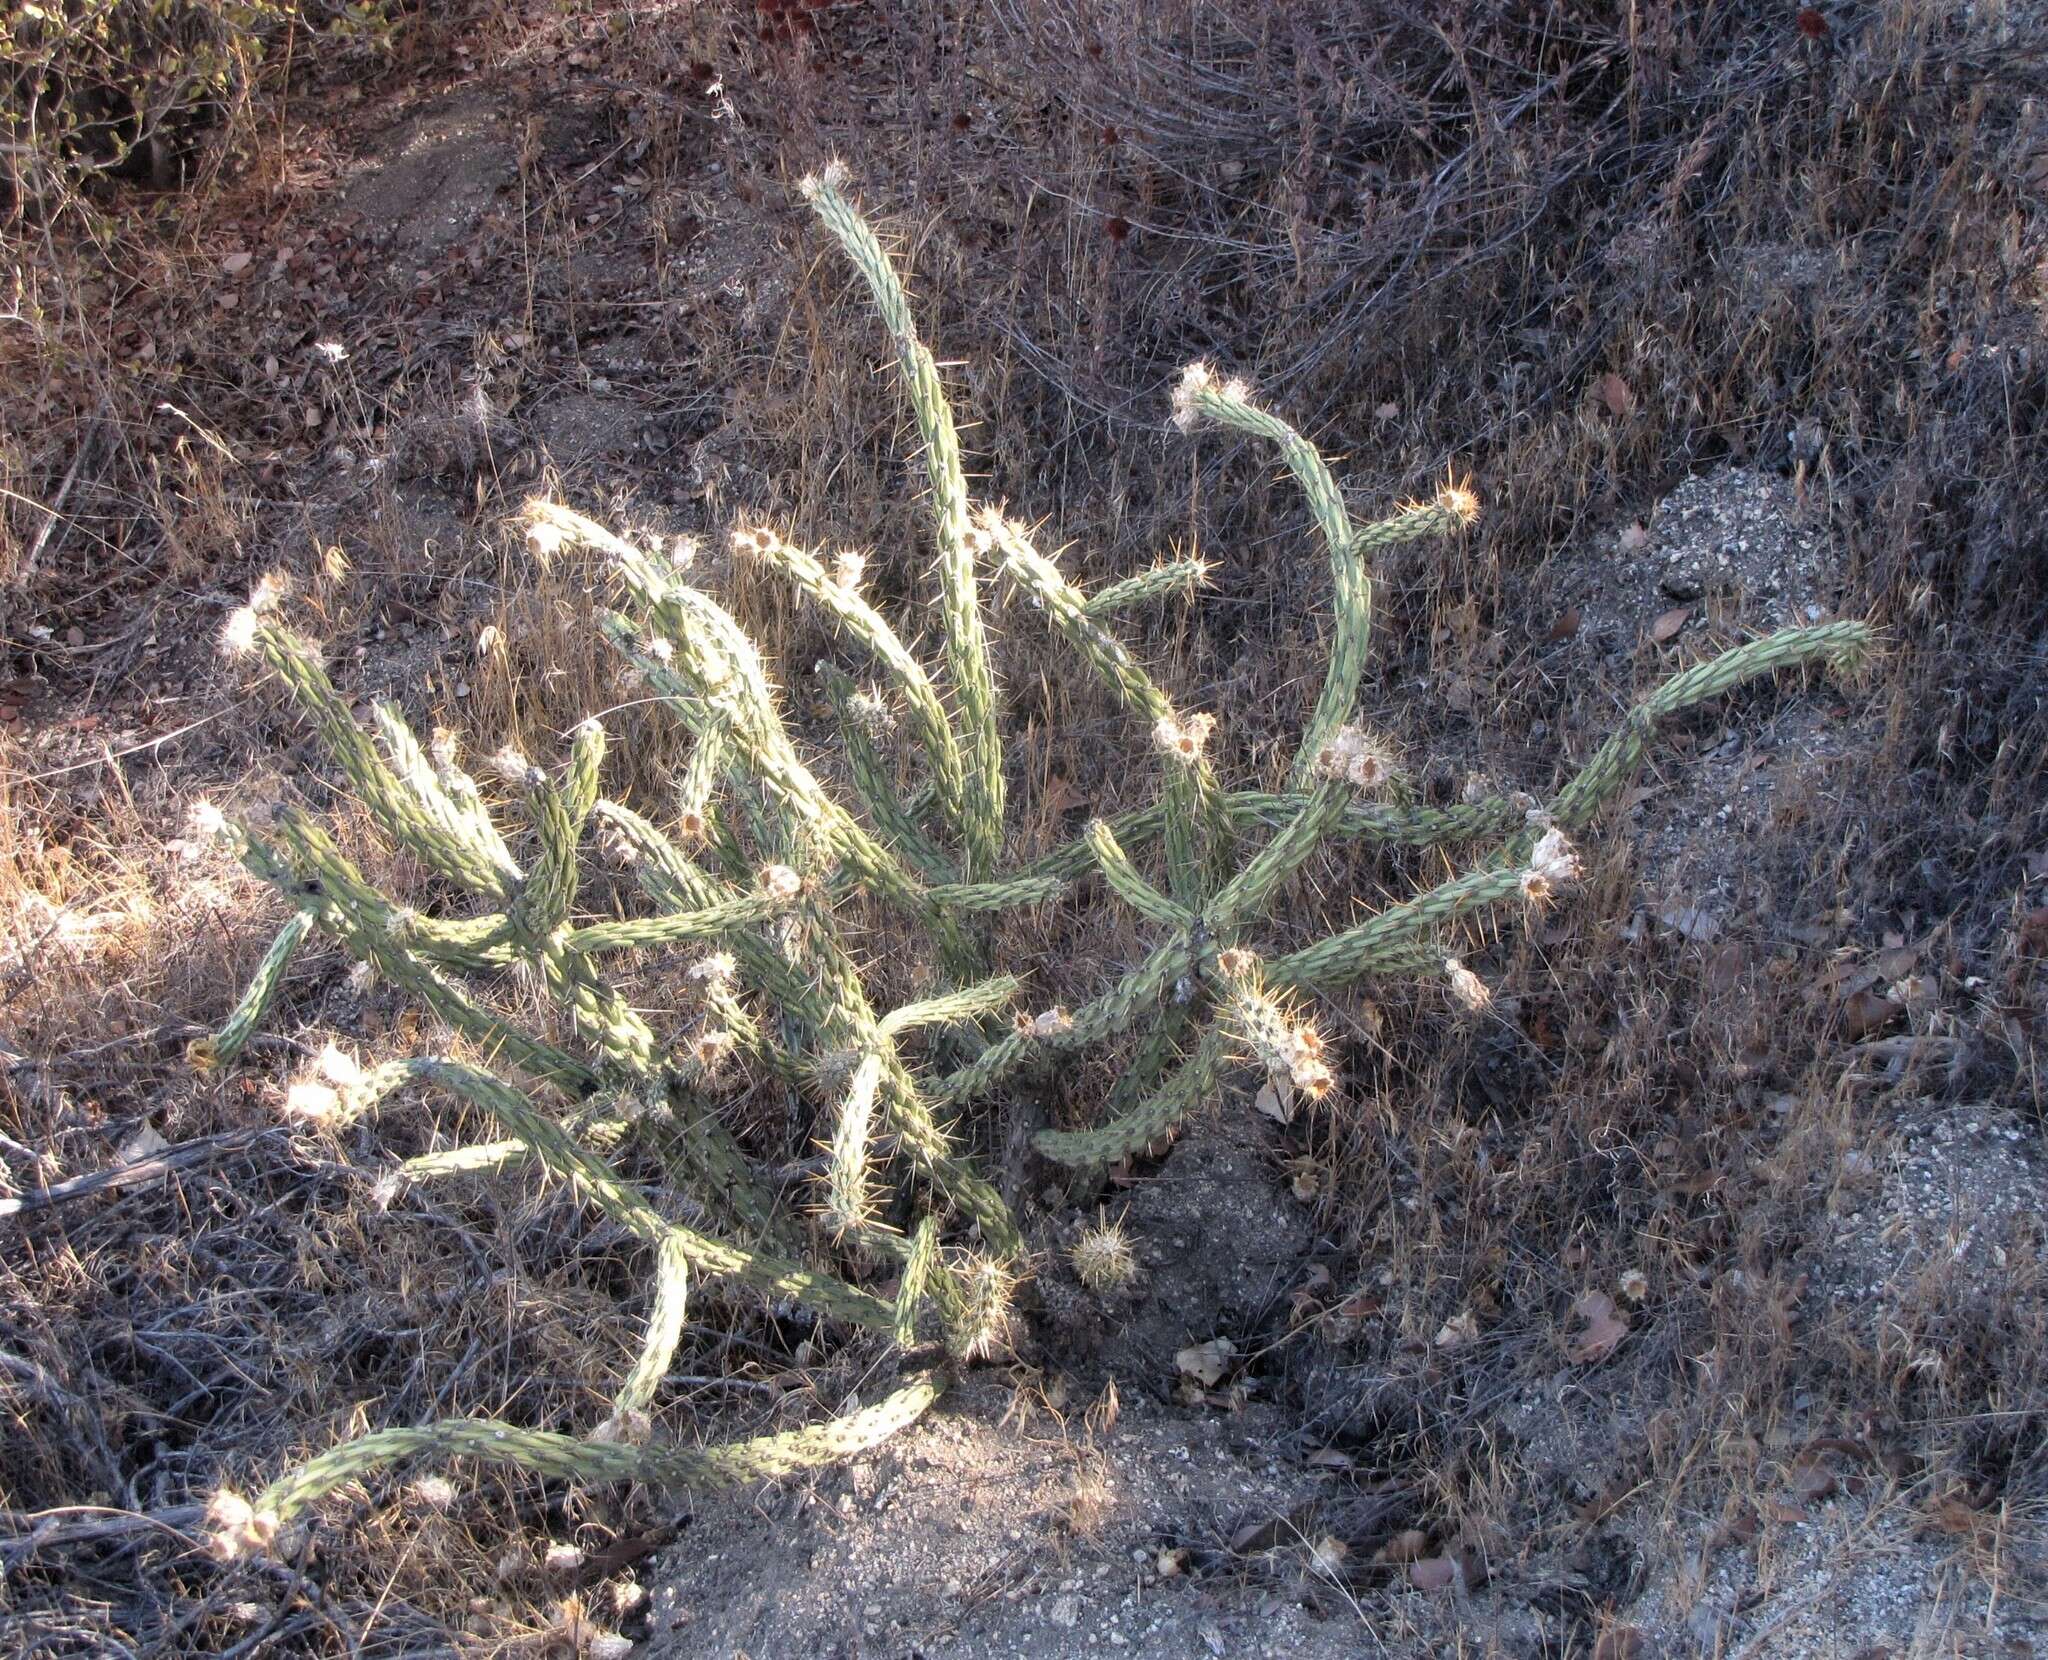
(664, 1329)
(967, 664)
(991, 996)
(1841, 646)
(1200, 395)
(395, 807)
(224, 1045)
(873, 782)
(1184, 1089)
(1125, 882)
(843, 601)
(1067, 610)
(244, 1527)
(1175, 576)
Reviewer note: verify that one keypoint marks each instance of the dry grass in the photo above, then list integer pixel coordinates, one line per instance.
(1440, 232)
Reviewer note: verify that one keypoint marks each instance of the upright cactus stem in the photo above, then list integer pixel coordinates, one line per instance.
(740, 953)
(959, 585)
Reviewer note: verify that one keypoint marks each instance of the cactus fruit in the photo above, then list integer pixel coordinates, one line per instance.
(759, 883)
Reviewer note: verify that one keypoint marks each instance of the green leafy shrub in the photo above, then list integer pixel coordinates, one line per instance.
(762, 870)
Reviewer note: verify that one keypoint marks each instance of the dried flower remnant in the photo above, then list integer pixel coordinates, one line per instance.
(1471, 992)
(1358, 758)
(1050, 1023)
(1183, 737)
(1553, 864)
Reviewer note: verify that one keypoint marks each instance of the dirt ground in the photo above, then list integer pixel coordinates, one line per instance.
(1765, 1095)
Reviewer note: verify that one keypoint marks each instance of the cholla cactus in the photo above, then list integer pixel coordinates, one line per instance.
(759, 878)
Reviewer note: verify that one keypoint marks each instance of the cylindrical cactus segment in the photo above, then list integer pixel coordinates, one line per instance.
(1286, 1044)
(849, 1206)
(920, 1269)
(664, 1328)
(872, 630)
(1125, 882)
(243, 1527)
(1835, 645)
(1067, 610)
(235, 1032)
(949, 1008)
(396, 807)
(1174, 576)
(440, 791)
(959, 585)
(874, 780)
(1183, 1089)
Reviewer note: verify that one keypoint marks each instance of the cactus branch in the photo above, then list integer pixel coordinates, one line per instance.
(225, 1044)
(959, 586)
(565, 1458)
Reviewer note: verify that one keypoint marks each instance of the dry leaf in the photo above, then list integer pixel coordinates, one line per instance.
(1207, 1362)
(237, 262)
(1865, 1013)
(1615, 394)
(1625, 1642)
(144, 1143)
(1433, 1573)
(1458, 1331)
(1726, 967)
(1060, 796)
(1564, 627)
(1604, 1328)
(1668, 623)
(1276, 1100)
(1405, 1546)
